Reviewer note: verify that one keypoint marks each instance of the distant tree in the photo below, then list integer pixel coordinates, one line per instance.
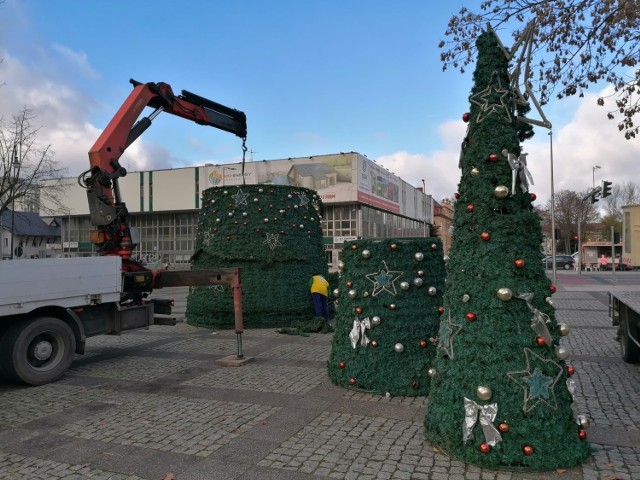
(570, 207)
(608, 222)
(623, 194)
(577, 43)
(24, 164)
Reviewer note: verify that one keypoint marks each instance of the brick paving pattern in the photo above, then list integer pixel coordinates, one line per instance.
(153, 404)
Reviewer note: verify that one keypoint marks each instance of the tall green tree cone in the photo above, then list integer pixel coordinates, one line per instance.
(501, 394)
(273, 233)
(389, 306)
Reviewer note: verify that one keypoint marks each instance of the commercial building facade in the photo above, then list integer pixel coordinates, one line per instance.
(361, 200)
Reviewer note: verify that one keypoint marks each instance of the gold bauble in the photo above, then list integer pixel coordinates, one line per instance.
(504, 294)
(501, 191)
(483, 393)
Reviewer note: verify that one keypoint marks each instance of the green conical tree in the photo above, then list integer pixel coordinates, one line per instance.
(501, 392)
(273, 233)
(390, 302)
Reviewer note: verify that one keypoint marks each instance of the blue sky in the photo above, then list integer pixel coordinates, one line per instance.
(313, 77)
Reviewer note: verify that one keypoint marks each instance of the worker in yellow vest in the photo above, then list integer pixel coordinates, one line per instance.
(320, 292)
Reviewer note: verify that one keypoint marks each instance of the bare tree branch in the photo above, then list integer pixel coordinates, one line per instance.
(578, 43)
(24, 164)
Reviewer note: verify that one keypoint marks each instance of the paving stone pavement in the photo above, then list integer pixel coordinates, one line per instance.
(154, 405)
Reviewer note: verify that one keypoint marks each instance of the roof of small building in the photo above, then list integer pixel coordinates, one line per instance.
(28, 224)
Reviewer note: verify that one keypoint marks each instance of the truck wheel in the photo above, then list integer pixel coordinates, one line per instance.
(38, 351)
(630, 351)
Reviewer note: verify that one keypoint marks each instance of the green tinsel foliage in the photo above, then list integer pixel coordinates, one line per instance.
(390, 291)
(489, 354)
(271, 232)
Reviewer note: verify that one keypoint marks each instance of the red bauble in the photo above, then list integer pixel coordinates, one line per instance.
(228, 237)
(342, 364)
(485, 448)
(352, 381)
(552, 288)
(456, 195)
(434, 246)
(415, 385)
(358, 310)
(533, 197)
(465, 117)
(374, 344)
(541, 342)
(570, 370)
(470, 208)
(503, 427)
(349, 284)
(440, 310)
(484, 236)
(354, 247)
(582, 435)
(527, 450)
(472, 317)
(393, 246)
(423, 343)
(519, 263)
(493, 157)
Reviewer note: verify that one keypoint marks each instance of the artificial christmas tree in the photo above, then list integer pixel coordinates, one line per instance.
(390, 302)
(273, 233)
(501, 392)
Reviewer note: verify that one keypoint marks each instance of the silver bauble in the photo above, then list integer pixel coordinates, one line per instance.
(466, 298)
(475, 172)
(446, 258)
(365, 294)
(404, 285)
(260, 190)
(336, 293)
(501, 191)
(432, 291)
(230, 214)
(562, 353)
(255, 200)
(366, 254)
(563, 329)
(504, 294)
(483, 393)
(419, 256)
(432, 372)
(244, 214)
(340, 265)
(398, 347)
(583, 421)
(418, 282)
(549, 301)
(376, 320)
(217, 219)
(352, 293)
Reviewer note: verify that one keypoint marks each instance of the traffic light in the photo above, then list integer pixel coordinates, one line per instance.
(606, 188)
(595, 193)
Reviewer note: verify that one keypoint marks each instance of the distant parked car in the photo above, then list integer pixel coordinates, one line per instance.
(562, 261)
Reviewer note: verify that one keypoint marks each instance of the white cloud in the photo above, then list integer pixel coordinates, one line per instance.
(584, 140)
(78, 59)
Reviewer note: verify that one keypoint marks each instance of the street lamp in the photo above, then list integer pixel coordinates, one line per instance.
(15, 170)
(593, 171)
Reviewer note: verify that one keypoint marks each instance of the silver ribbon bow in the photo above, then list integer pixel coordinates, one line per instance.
(487, 414)
(571, 386)
(518, 170)
(357, 334)
(539, 320)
